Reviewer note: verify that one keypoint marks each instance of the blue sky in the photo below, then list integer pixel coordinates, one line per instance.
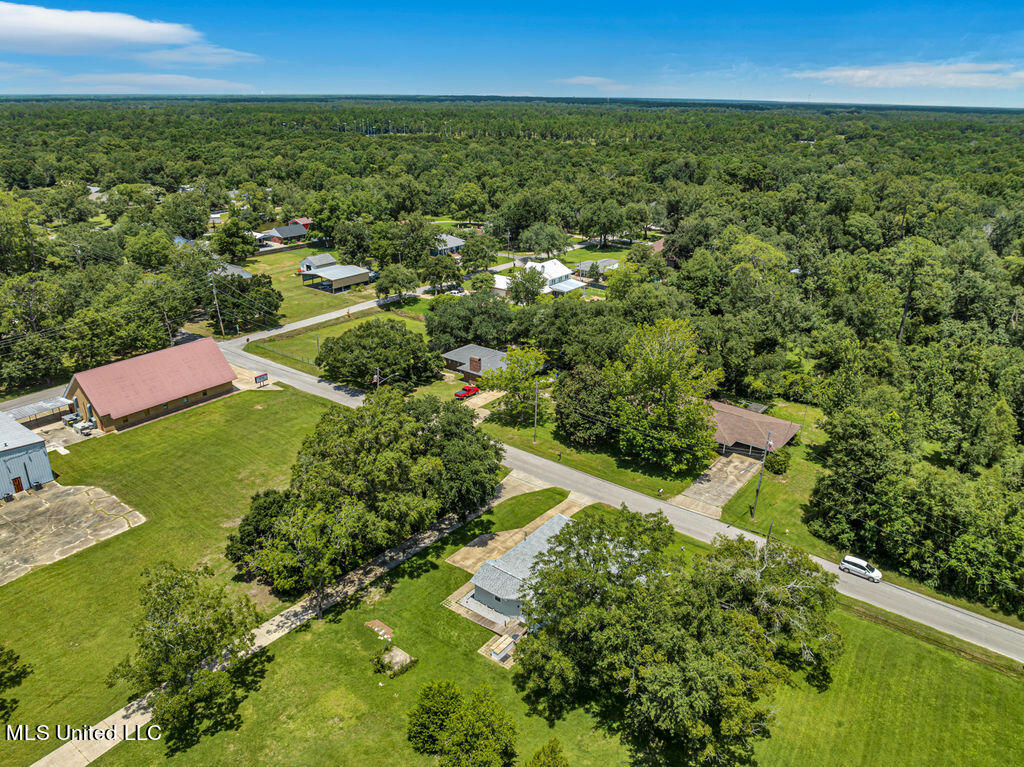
(907, 53)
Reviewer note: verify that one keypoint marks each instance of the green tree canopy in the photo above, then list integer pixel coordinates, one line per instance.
(381, 351)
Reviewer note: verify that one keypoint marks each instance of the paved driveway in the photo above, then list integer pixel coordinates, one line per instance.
(713, 489)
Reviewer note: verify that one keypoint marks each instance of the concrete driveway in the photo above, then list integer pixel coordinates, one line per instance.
(713, 489)
(38, 528)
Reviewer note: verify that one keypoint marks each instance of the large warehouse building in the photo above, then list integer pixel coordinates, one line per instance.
(125, 393)
(23, 459)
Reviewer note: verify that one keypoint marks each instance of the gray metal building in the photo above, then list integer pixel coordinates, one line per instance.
(23, 458)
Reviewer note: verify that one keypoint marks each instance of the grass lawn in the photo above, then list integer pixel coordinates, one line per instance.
(784, 499)
(191, 476)
(621, 471)
(894, 700)
(321, 704)
(302, 301)
(443, 389)
(593, 253)
(298, 349)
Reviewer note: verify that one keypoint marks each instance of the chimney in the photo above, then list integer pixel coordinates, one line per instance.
(474, 364)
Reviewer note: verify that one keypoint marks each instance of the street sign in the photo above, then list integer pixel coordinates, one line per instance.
(261, 379)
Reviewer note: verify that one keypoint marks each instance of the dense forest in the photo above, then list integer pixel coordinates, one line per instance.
(867, 261)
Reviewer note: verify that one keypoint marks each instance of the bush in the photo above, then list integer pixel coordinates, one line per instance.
(377, 662)
(777, 462)
(435, 706)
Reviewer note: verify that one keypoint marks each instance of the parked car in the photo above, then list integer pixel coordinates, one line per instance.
(467, 391)
(859, 567)
(456, 292)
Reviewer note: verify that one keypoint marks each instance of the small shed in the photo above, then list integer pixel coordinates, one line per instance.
(23, 458)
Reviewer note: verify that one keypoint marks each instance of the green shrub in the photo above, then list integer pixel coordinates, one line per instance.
(777, 462)
(435, 706)
(377, 661)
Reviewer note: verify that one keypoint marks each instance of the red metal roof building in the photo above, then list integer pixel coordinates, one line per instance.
(128, 392)
(303, 221)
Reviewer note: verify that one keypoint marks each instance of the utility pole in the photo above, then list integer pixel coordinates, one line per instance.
(536, 398)
(213, 284)
(757, 493)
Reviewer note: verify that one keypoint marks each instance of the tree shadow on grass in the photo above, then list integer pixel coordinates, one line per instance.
(214, 709)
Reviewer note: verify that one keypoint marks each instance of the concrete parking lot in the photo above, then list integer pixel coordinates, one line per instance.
(38, 528)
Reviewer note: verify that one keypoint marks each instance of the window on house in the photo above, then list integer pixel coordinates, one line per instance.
(184, 399)
(124, 421)
(204, 392)
(165, 406)
(147, 411)
(497, 599)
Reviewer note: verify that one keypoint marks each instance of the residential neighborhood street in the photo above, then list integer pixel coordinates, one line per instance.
(935, 613)
(931, 612)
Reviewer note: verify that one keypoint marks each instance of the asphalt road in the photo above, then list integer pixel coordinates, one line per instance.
(935, 613)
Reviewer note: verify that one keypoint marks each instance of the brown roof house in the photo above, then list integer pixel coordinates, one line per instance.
(738, 430)
(131, 391)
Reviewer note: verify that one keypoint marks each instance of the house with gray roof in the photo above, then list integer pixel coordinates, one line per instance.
(312, 263)
(473, 361)
(498, 584)
(287, 233)
(233, 270)
(449, 245)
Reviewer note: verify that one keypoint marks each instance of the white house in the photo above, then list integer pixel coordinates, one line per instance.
(557, 276)
(500, 285)
(498, 584)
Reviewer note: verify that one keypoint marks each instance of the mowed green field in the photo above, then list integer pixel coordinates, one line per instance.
(894, 699)
(191, 475)
(321, 704)
(593, 253)
(299, 349)
(301, 301)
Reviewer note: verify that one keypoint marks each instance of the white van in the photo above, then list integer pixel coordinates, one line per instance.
(860, 567)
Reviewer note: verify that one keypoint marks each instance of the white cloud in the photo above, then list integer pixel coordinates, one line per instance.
(921, 75)
(201, 55)
(601, 83)
(10, 71)
(35, 29)
(141, 82)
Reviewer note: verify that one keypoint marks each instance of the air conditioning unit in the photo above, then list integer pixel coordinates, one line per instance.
(37, 485)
